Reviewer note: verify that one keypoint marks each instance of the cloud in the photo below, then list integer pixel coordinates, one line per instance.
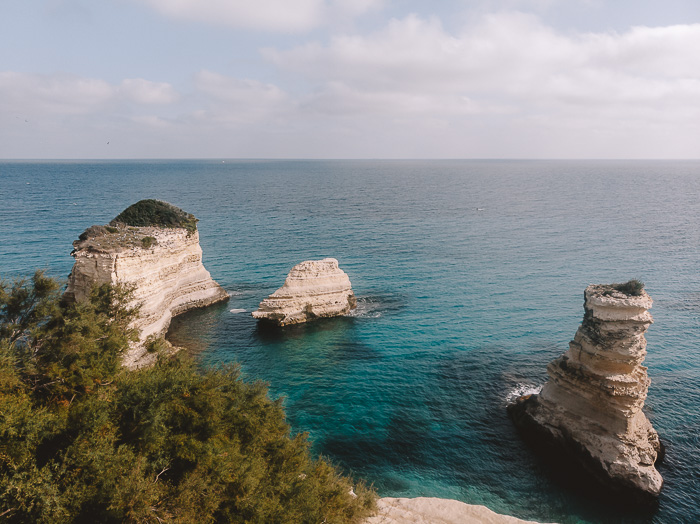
(61, 94)
(54, 94)
(68, 116)
(507, 59)
(270, 15)
(503, 85)
(147, 92)
(228, 100)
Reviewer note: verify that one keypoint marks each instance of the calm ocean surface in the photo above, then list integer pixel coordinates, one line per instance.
(470, 279)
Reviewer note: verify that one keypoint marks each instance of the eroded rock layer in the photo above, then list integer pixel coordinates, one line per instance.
(313, 289)
(591, 407)
(164, 265)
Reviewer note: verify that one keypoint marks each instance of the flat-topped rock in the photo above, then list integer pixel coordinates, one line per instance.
(313, 289)
(429, 510)
(162, 262)
(591, 407)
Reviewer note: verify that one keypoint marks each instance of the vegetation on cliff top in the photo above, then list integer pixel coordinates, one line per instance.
(156, 213)
(633, 288)
(83, 440)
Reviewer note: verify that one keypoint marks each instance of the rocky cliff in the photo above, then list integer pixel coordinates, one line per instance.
(313, 289)
(591, 407)
(162, 263)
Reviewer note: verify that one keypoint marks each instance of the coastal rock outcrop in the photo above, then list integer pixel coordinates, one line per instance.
(591, 407)
(313, 289)
(428, 510)
(154, 248)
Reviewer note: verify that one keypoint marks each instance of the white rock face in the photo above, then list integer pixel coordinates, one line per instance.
(313, 289)
(168, 277)
(593, 400)
(426, 510)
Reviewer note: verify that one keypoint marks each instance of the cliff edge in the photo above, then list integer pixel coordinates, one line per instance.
(428, 510)
(313, 289)
(154, 247)
(591, 407)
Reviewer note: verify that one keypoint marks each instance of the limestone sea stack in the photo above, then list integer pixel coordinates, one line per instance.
(313, 289)
(154, 247)
(591, 407)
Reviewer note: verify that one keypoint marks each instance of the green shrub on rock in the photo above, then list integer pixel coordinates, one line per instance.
(155, 213)
(147, 242)
(631, 288)
(84, 440)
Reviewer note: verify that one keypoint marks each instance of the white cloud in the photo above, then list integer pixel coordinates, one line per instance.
(507, 60)
(54, 94)
(147, 92)
(67, 116)
(504, 85)
(232, 100)
(271, 15)
(61, 94)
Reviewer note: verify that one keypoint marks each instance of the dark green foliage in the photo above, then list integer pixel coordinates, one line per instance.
(94, 232)
(632, 288)
(111, 229)
(156, 213)
(147, 242)
(83, 440)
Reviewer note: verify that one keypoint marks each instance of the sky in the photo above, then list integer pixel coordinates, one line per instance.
(349, 79)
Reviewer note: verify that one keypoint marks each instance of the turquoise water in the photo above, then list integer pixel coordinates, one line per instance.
(470, 278)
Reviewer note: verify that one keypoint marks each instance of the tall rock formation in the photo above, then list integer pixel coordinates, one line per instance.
(163, 263)
(591, 407)
(313, 289)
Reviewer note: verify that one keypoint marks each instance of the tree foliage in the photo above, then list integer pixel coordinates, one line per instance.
(83, 440)
(156, 213)
(631, 288)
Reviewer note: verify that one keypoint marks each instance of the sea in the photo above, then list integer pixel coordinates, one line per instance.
(469, 276)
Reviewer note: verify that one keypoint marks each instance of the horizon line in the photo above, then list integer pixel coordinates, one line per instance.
(364, 159)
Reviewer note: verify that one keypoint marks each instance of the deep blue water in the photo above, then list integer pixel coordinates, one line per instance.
(470, 278)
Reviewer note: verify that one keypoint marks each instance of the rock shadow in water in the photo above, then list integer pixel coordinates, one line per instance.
(269, 332)
(189, 329)
(403, 443)
(378, 304)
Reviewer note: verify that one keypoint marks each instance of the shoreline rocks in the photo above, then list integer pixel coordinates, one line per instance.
(591, 407)
(429, 510)
(163, 264)
(313, 289)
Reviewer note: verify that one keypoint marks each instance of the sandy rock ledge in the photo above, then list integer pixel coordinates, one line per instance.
(427, 510)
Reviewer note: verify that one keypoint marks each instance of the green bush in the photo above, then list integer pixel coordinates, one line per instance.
(83, 440)
(632, 288)
(155, 213)
(147, 242)
(93, 232)
(111, 229)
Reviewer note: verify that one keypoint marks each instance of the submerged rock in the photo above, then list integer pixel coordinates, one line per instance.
(313, 289)
(591, 407)
(163, 263)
